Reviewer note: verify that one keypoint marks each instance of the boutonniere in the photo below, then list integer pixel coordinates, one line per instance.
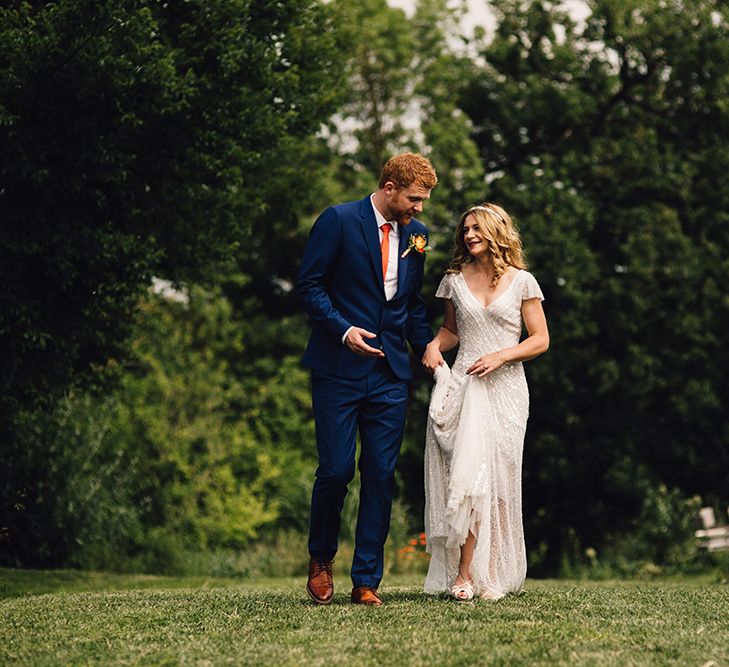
(417, 242)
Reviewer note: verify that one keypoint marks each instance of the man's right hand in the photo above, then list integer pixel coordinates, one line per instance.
(355, 342)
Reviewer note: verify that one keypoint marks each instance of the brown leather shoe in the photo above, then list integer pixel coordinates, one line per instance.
(366, 595)
(320, 585)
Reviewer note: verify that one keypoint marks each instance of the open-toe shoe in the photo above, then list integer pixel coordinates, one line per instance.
(463, 592)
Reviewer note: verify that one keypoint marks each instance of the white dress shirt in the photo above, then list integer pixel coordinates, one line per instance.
(391, 274)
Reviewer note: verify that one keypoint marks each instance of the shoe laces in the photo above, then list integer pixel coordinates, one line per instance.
(323, 566)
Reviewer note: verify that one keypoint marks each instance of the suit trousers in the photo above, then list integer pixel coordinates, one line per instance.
(375, 405)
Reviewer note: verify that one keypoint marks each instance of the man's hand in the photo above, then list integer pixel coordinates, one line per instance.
(354, 341)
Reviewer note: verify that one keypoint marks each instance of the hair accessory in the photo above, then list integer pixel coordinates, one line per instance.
(489, 210)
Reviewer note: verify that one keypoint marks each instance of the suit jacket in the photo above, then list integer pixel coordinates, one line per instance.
(340, 283)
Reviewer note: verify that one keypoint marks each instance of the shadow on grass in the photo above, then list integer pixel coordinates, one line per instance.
(342, 599)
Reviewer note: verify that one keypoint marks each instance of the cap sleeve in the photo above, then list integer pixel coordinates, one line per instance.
(445, 289)
(530, 288)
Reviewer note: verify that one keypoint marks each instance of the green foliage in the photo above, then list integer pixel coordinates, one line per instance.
(206, 470)
(183, 456)
(404, 80)
(133, 135)
(659, 541)
(662, 532)
(75, 498)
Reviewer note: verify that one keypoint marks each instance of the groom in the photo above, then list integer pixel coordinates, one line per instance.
(359, 281)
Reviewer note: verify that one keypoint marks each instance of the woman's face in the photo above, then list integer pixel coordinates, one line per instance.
(473, 238)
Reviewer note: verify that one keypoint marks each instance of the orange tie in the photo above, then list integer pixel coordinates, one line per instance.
(385, 248)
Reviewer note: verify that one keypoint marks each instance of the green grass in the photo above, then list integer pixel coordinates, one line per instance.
(16, 583)
(51, 618)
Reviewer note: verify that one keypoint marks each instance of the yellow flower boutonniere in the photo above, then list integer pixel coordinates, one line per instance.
(419, 243)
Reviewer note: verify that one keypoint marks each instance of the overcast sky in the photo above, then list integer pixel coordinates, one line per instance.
(479, 13)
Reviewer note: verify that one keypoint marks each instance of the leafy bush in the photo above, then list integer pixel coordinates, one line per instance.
(179, 460)
(660, 540)
(75, 489)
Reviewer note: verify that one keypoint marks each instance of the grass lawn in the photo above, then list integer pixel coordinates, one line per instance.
(51, 618)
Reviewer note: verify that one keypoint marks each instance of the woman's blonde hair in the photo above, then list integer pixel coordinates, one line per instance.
(501, 235)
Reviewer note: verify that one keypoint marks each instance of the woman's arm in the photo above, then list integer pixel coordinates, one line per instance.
(446, 339)
(536, 343)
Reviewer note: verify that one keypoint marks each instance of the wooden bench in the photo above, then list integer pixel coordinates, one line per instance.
(712, 537)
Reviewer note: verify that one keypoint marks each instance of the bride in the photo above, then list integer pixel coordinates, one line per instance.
(479, 409)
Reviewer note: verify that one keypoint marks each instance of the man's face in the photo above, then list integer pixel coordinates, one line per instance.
(405, 203)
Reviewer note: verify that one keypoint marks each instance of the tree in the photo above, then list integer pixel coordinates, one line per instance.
(135, 138)
(133, 147)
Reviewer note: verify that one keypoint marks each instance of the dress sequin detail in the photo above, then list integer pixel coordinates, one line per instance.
(474, 445)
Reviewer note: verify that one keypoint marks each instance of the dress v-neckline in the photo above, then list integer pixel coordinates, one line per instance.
(496, 298)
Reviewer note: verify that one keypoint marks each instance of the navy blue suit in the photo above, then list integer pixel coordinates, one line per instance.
(340, 283)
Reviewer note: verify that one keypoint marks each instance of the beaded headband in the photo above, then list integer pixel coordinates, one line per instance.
(488, 209)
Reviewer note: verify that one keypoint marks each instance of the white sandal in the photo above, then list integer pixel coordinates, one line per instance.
(463, 592)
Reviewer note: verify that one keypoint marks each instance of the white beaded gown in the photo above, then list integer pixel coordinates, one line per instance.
(474, 445)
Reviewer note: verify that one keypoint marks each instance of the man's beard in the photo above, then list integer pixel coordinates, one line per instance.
(403, 218)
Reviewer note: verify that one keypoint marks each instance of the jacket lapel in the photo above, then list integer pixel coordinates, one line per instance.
(371, 236)
(402, 263)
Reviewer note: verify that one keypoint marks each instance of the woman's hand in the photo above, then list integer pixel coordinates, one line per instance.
(487, 363)
(432, 357)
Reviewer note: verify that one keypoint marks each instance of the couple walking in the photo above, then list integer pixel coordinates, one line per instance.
(360, 282)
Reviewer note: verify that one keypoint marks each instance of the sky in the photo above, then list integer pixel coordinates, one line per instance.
(479, 14)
